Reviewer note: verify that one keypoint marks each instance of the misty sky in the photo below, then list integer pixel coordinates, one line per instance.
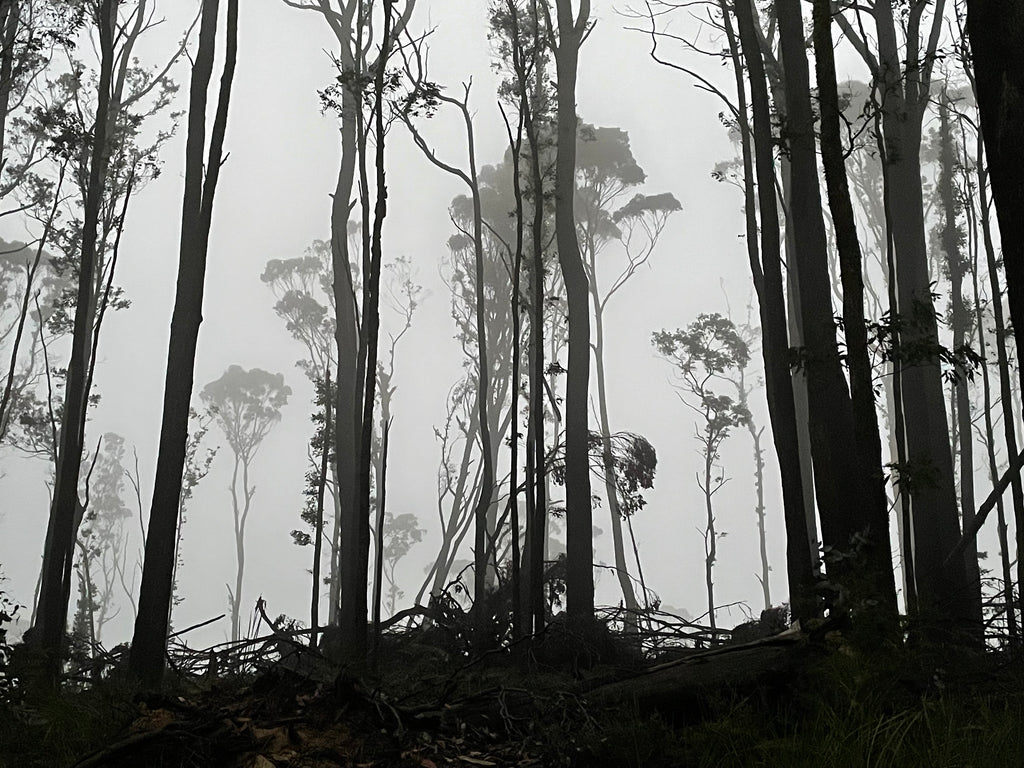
(273, 201)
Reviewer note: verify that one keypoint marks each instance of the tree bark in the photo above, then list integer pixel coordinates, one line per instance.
(960, 320)
(775, 344)
(318, 529)
(10, 21)
(353, 614)
(843, 499)
(579, 522)
(146, 661)
(996, 32)
(55, 589)
(878, 575)
(344, 568)
(536, 469)
(990, 438)
(943, 594)
(608, 464)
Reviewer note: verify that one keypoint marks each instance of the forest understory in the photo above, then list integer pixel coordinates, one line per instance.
(576, 695)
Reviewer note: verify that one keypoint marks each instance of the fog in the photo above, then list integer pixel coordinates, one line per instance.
(274, 200)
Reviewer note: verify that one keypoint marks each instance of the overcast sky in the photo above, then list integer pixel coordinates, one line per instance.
(273, 201)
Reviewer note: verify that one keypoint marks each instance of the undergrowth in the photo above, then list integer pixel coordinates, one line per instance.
(910, 707)
(846, 713)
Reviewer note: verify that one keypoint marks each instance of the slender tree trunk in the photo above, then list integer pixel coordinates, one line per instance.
(710, 535)
(943, 593)
(1002, 352)
(536, 461)
(348, 406)
(10, 22)
(961, 321)
(146, 661)
(757, 274)
(608, 464)
(238, 515)
(878, 575)
(54, 593)
(334, 590)
(775, 345)
(517, 270)
(456, 527)
(318, 529)
(378, 563)
(487, 489)
(579, 523)
(776, 81)
(895, 391)
(353, 614)
(1012, 629)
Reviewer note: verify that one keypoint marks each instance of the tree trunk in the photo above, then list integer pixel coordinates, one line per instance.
(608, 465)
(710, 535)
(844, 500)
(318, 530)
(996, 30)
(486, 489)
(55, 590)
(353, 614)
(943, 593)
(536, 468)
(990, 439)
(878, 574)
(1002, 353)
(517, 270)
(775, 344)
(960, 320)
(146, 661)
(10, 21)
(579, 585)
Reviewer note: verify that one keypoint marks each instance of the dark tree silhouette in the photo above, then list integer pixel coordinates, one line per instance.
(57, 558)
(867, 456)
(572, 31)
(997, 49)
(779, 387)
(147, 656)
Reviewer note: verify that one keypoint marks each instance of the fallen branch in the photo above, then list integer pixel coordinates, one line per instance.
(986, 506)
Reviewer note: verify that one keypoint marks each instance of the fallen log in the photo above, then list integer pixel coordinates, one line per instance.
(684, 688)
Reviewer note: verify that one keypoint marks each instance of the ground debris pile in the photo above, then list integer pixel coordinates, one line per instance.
(285, 719)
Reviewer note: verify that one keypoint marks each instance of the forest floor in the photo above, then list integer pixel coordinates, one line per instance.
(792, 700)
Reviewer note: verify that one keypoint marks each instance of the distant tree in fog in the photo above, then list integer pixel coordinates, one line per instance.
(708, 351)
(401, 534)
(606, 171)
(102, 540)
(474, 233)
(32, 32)
(245, 405)
(746, 383)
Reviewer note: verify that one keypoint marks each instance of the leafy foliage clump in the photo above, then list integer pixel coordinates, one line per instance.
(8, 612)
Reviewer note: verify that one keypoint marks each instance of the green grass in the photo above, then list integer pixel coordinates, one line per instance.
(58, 730)
(847, 714)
